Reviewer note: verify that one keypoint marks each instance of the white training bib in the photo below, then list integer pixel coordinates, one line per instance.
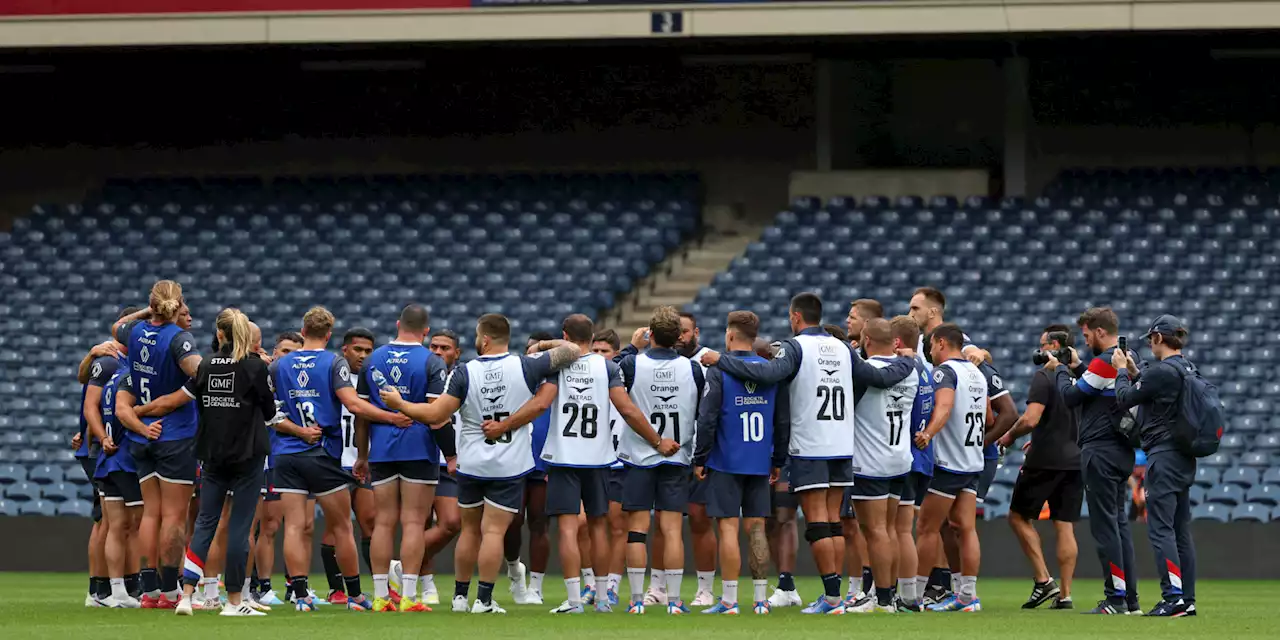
(822, 399)
(882, 429)
(349, 430)
(667, 394)
(959, 443)
(580, 434)
(496, 387)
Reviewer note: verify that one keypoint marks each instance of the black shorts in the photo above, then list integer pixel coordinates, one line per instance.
(172, 461)
(412, 471)
(664, 487)
(310, 472)
(269, 493)
(870, 489)
(698, 490)
(615, 479)
(1063, 490)
(507, 495)
(914, 486)
(448, 485)
(537, 475)
(950, 485)
(820, 474)
(730, 495)
(89, 465)
(571, 490)
(986, 478)
(122, 486)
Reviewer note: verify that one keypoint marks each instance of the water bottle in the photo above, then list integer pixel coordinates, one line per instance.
(380, 380)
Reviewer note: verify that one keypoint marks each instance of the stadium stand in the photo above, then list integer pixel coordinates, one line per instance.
(536, 248)
(1204, 244)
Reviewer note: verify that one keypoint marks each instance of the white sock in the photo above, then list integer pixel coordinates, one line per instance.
(658, 579)
(968, 590)
(574, 587)
(707, 581)
(117, 589)
(955, 582)
(589, 577)
(635, 580)
(512, 568)
(245, 587)
(614, 580)
(602, 587)
(429, 583)
(535, 581)
(380, 587)
(855, 585)
(730, 588)
(922, 583)
(409, 586)
(907, 589)
(760, 590)
(674, 579)
(211, 589)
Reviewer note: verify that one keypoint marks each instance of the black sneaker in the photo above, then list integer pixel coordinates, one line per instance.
(1105, 608)
(1062, 603)
(1041, 593)
(1177, 609)
(933, 595)
(904, 607)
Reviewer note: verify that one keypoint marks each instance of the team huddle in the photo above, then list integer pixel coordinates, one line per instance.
(872, 431)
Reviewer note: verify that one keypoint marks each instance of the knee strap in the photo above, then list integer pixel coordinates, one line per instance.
(815, 531)
(636, 536)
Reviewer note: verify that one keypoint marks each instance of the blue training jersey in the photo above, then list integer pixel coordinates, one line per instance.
(154, 354)
(306, 384)
(100, 372)
(921, 412)
(121, 460)
(744, 438)
(541, 425)
(419, 376)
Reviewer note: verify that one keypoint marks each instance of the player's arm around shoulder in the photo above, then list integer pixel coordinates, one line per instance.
(783, 366)
(708, 416)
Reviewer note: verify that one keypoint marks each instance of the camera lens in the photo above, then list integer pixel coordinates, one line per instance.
(1038, 358)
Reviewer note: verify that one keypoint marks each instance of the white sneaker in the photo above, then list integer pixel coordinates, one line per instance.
(184, 607)
(460, 604)
(91, 602)
(242, 610)
(517, 586)
(492, 607)
(703, 598)
(888, 609)
(253, 604)
(782, 598)
(530, 596)
(431, 596)
(395, 575)
(127, 602)
(654, 596)
(860, 604)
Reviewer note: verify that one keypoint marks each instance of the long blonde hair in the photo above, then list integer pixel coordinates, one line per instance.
(233, 328)
(166, 299)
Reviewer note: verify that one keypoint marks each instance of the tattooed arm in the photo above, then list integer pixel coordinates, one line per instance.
(563, 355)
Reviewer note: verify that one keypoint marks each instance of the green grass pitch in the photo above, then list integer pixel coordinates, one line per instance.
(50, 606)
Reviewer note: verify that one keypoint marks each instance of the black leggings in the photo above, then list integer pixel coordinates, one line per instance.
(244, 480)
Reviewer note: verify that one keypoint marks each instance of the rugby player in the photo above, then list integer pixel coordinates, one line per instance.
(700, 525)
(446, 520)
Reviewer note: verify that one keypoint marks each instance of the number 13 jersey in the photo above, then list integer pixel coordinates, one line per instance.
(959, 447)
(581, 416)
(882, 427)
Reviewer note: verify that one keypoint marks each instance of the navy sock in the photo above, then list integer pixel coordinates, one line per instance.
(329, 558)
(786, 582)
(352, 586)
(264, 584)
(298, 584)
(884, 596)
(940, 577)
(168, 579)
(867, 582)
(485, 592)
(150, 580)
(93, 585)
(461, 588)
(255, 585)
(831, 585)
(133, 584)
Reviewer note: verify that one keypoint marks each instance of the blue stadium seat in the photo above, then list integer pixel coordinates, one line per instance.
(1225, 494)
(1207, 476)
(1268, 494)
(1251, 513)
(1243, 476)
(1218, 512)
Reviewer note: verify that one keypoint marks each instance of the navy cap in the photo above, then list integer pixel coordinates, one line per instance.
(1165, 325)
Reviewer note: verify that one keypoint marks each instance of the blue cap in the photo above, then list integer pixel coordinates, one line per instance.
(1166, 325)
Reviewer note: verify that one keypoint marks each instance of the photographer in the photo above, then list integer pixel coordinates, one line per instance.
(1050, 474)
(1106, 459)
(1170, 470)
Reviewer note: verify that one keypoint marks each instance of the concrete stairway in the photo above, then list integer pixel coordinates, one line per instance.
(677, 280)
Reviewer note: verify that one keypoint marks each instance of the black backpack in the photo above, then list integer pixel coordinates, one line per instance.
(1197, 429)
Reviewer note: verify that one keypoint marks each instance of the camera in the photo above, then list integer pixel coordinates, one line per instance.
(1040, 357)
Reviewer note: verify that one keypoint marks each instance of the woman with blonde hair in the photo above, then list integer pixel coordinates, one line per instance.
(162, 357)
(235, 402)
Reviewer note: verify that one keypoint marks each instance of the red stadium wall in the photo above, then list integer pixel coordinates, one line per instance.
(99, 7)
